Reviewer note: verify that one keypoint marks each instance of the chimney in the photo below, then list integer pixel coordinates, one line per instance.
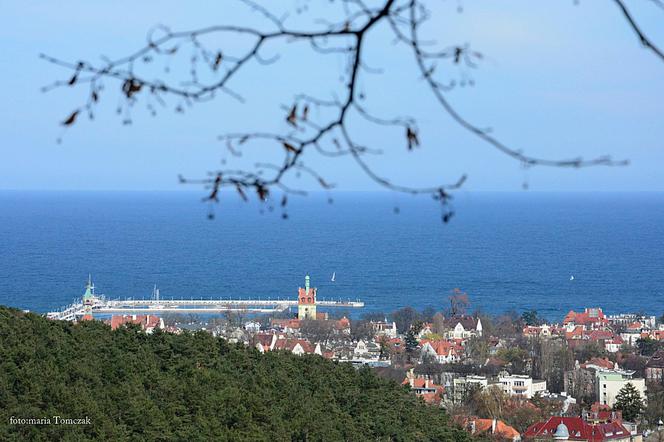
(493, 426)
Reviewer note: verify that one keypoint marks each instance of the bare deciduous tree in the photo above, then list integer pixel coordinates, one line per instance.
(459, 303)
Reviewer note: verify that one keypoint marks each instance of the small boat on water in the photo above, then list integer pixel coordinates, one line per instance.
(334, 276)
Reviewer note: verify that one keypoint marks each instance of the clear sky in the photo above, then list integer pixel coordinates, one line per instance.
(559, 80)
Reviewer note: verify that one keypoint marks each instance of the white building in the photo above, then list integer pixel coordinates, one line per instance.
(366, 350)
(442, 351)
(610, 382)
(252, 326)
(388, 329)
(625, 319)
(464, 327)
(521, 385)
(630, 337)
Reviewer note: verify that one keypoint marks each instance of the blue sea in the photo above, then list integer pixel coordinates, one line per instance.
(508, 251)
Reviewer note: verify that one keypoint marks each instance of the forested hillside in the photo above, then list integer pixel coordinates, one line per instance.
(192, 387)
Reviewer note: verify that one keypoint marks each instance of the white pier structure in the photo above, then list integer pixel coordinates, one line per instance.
(92, 304)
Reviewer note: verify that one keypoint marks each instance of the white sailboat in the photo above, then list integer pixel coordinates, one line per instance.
(571, 278)
(334, 276)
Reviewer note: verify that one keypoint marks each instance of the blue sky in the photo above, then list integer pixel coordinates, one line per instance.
(559, 80)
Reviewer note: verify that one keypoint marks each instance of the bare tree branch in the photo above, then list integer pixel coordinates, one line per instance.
(328, 133)
(645, 41)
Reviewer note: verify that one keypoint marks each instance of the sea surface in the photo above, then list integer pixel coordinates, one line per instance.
(508, 251)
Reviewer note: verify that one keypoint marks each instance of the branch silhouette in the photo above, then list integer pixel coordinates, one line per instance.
(329, 135)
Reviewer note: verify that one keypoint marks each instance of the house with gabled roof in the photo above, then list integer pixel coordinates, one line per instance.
(493, 428)
(265, 341)
(425, 388)
(576, 429)
(590, 318)
(463, 327)
(297, 346)
(442, 351)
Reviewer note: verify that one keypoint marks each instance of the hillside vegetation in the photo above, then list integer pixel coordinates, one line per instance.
(192, 387)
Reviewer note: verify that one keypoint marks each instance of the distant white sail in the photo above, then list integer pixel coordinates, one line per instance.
(571, 278)
(334, 276)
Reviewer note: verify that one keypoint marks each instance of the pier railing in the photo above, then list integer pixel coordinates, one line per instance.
(203, 306)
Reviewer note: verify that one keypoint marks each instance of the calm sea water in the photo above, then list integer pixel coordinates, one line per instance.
(507, 251)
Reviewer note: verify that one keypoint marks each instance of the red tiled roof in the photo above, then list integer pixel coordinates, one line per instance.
(598, 406)
(441, 347)
(265, 339)
(145, 321)
(417, 383)
(586, 317)
(576, 333)
(286, 323)
(600, 362)
(342, 324)
(290, 344)
(578, 429)
(485, 426)
(597, 335)
(502, 429)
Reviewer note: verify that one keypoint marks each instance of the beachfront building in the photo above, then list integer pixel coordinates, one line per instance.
(625, 319)
(590, 318)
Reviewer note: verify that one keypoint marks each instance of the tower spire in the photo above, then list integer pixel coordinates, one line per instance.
(89, 292)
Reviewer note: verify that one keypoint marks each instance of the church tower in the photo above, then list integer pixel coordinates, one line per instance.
(88, 296)
(306, 301)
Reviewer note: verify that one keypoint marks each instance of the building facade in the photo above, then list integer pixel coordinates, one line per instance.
(610, 382)
(521, 385)
(306, 301)
(655, 367)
